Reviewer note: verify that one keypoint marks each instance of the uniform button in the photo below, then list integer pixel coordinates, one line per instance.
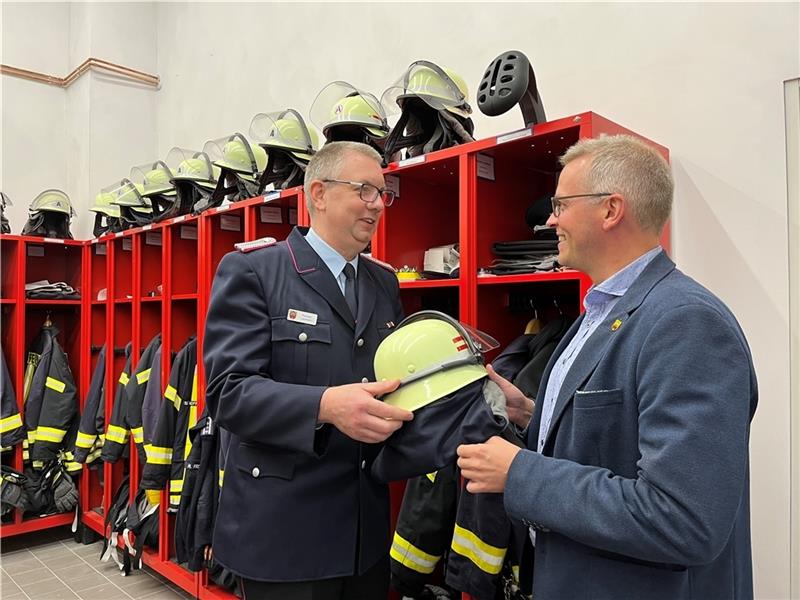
(364, 380)
(360, 342)
(363, 464)
(303, 336)
(255, 472)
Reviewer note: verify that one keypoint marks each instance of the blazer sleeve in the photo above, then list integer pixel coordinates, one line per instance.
(241, 392)
(694, 388)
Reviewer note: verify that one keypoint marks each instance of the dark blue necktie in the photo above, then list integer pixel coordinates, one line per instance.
(350, 289)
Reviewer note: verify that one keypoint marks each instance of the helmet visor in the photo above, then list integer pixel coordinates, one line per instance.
(340, 103)
(153, 177)
(429, 82)
(124, 193)
(191, 165)
(233, 152)
(283, 129)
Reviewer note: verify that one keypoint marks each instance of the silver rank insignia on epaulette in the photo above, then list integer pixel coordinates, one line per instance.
(255, 244)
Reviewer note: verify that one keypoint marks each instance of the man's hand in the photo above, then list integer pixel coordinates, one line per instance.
(518, 405)
(354, 411)
(485, 466)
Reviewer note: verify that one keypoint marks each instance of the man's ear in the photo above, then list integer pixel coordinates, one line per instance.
(318, 200)
(615, 207)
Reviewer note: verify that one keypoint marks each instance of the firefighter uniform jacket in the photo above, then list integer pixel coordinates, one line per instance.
(11, 430)
(135, 391)
(116, 441)
(194, 523)
(89, 442)
(298, 501)
(52, 401)
(167, 453)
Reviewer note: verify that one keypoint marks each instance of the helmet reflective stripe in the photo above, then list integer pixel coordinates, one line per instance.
(432, 355)
(52, 200)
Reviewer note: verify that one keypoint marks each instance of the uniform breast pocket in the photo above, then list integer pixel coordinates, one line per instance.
(261, 462)
(597, 398)
(301, 352)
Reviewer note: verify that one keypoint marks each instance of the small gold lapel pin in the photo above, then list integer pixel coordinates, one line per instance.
(615, 325)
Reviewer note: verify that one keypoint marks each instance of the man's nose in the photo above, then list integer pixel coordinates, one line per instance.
(551, 220)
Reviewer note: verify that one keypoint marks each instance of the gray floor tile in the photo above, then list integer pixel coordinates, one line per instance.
(46, 588)
(107, 591)
(15, 596)
(8, 587)
(140, 584)
(73, 573)
(20, 556)
(84, 580)
(31, 576)
(164, 595)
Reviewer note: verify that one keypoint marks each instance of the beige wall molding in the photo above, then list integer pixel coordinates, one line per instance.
(90, 63)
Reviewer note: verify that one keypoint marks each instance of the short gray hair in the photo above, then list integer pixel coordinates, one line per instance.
(328, 161)
(626, 165)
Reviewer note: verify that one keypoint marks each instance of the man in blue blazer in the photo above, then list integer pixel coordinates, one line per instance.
(635, 483)
(291, 334)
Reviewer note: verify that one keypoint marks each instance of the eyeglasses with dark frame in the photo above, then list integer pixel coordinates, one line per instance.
(368, 192)
(557, 202)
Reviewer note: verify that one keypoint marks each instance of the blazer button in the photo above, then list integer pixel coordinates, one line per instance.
(256, 472)
(364, 380)
(360, 342)
(303, 336)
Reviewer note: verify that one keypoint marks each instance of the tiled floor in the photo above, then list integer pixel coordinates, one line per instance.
(50, 565)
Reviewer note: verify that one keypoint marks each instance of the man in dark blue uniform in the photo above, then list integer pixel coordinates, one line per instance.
(291, 332)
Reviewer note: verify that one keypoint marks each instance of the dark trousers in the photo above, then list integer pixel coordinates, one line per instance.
(371, 585)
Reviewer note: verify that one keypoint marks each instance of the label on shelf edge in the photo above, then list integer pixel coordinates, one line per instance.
(270, 196)
(152, 238)
(100, 249)
(52, 240)
(35, 250)
(292, 216)
(414, 160)
(514, 135)
(127, 244)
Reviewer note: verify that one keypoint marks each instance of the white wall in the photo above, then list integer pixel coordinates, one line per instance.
(702, 79)
(84, 137)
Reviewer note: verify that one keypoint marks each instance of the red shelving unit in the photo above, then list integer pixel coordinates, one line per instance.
(158, 278)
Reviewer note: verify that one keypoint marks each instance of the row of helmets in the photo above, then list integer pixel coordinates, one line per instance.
(431, 102)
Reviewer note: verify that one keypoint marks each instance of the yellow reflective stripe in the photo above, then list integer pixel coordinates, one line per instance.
(192, 416)
(515, 572)
(50, 434)
(486, 557)
(31, 437)
(157, 455)
(55, 384)
(412, 557)
(176, 486)
(171, 394)
(138, 434)
(10, 423)
(143, 376)
(175, 499)
(117, 434)
(123, 378)
(84, 440)
(221, 476)
(432, 476)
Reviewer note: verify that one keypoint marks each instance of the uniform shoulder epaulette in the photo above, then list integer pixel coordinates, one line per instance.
(380, 263)
(255, 244)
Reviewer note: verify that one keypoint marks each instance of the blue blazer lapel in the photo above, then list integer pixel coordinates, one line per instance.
(595, 347)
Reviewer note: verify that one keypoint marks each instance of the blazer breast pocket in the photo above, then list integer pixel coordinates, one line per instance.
(301, 352)
(585, 399)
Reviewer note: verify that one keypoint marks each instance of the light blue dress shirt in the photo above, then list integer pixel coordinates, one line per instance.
(598, 303)
(332, 259)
